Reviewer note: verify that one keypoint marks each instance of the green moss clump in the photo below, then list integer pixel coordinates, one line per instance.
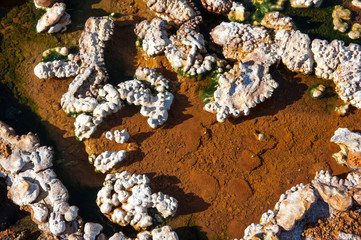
(54, 55)
(211, 84)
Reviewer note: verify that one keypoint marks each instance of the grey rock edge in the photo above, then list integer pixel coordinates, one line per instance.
(33, 185)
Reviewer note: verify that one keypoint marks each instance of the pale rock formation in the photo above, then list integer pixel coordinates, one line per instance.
(305, 3)
(347, 79)
(240, 40)
(240, 89)
(161, 233)
(303, 204)
(237, 12)
(295, 51)
(57, 68)
(117, 136)
(43, 4)
(332, 191)
(297, 201)
(154, 107)
(125, 199)
(108, 160)
(33, 185)
(339, 17)
(356, 3)
(348, 236)
(328, 56)
(277, 21)
(154, 36)
(187, 53)
(92, 230)
(55, 18)
(355, 32)
(85, 94)
(178, 11)
(348, 142)
(217, 6)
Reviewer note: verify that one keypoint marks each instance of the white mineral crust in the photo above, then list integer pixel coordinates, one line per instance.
(178, 11)
(32, 183)
(125, 199)
(55, 18)
(117, 136)
(108, 160)
(305, 3)
(277, 21)
(57, 68)
(356, 3)
(240, 89)
(295, 51)
(154, 36)
(217, 6)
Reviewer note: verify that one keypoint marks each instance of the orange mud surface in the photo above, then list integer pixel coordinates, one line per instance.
(221, 175)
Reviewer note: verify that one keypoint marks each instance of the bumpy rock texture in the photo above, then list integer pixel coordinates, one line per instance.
(305, 3)
(241, 89)
(277, 21)
(55, 19)
(126, 200)
(304, 204)
(177, 11)
(350, 144)
(32, 184)
(217, 6)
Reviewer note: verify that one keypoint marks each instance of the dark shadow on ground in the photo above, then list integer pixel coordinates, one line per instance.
(187, 202)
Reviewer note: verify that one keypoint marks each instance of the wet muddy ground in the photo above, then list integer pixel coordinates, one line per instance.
(223, 177)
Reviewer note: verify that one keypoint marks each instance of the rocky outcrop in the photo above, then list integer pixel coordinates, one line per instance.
(187, 53)
(43, 4)
(295, 51)
(55, 19)
(217, 6)
(350, 145)
(240, 89)
(304, 204)
(154, 36)
(177, 11)
(277, 21)
(58, 69)
(125, 199)
(340, 16)
(305, 3)
(237, 12)
(33, 185)
(117, 136)
(106, 161)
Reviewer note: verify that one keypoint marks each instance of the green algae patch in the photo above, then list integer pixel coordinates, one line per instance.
(317, 22)
(209, 86)
(54, 55)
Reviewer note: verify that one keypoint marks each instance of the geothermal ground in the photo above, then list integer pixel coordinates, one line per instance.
(223, 177)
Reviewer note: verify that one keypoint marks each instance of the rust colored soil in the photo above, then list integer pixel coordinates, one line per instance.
(330, 228)
(222, 176)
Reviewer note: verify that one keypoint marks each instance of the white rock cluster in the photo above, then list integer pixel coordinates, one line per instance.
(350, 144)
(237, 12)
(161, 233)
(185, 50)
(33, 185)
(304, 203)
(240, 89)
(277, 21)
(295, 51)
(126, 198)
(55, 19)
(187, 53)
(106, 161)
(217, 6)
(154, 35)
(177, 11)
(57, 68)
(356, 3)
(117, 136)
(305, 3)
(155, 108)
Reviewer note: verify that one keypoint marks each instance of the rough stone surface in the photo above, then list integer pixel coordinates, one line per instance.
(277, 21)
(295, 51)
(305, 3)
(240, 89)
(217, 6)
(52, 16)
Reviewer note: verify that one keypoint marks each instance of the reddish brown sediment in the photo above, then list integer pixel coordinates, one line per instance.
(220, 173)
